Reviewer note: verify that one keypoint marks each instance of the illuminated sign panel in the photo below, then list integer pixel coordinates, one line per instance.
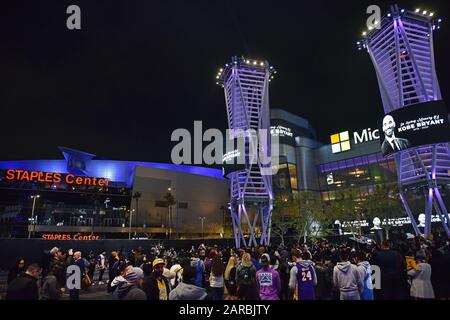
(341, 141)
(280, 131)
(284, 131)
(54, 177)
(415, 125)
(59, 236)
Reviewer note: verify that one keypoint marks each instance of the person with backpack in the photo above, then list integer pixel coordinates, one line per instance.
(303, 277)
(246, 279)
(366, 274)
(268, 280)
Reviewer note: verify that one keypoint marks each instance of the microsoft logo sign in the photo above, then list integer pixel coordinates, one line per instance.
(341, 141)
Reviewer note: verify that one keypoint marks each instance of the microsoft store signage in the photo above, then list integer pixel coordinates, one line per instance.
(343, 141)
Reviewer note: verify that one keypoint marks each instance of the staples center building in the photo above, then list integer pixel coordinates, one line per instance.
(84, 194)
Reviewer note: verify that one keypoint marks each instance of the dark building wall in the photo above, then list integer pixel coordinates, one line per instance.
(202, 195)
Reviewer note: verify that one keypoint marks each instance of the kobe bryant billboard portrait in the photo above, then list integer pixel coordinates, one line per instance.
(414, 125)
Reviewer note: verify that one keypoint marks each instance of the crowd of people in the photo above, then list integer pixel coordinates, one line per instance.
(412, 269)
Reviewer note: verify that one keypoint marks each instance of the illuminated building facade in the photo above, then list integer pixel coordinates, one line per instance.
(84, 194)
(401, 50)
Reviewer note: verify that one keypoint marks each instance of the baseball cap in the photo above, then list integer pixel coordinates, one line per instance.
(265, 259)
(157, 261)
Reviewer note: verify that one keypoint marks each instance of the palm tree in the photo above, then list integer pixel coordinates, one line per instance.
(136, 196)
(170, 199)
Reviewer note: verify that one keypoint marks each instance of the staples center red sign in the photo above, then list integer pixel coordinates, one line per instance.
(59, 236)
(54, 177)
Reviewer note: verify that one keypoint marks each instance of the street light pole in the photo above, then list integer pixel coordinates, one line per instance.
(32, 214)
(129, 232)
(203, 237)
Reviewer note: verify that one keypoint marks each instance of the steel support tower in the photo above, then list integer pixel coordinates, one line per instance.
(246, 87)
(401, 50)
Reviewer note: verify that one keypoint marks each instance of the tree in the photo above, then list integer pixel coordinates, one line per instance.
(345, 207)
(280, 216)
(383, 202)
(170, 200)
(136, 196)
(308, 209)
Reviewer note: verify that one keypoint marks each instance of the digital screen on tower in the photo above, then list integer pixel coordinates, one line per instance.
(233, 158)
(415, 125)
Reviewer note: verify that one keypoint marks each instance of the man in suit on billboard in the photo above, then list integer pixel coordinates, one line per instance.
(391, 143)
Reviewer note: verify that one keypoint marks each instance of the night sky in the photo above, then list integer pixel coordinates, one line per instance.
(137, 70)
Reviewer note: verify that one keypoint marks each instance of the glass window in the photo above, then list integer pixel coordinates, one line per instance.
(161, 204)
(182, 205)
(293, 176)
(281, 179)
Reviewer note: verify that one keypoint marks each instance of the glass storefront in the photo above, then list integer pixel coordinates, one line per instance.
(360, 173)
(285, 181)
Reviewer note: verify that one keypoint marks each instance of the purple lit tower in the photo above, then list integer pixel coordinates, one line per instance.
(246, 87)
(401, 50)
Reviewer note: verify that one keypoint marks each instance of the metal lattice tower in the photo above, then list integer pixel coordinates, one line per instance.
(246, 88)
(401, 50)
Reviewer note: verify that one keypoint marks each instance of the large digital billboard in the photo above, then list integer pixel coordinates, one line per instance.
(415, 125)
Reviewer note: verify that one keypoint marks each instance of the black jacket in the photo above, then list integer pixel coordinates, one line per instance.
(61, 273)
(386, 148)
(324, 281)
(24, 287)
(14, 273)
(150, 287)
